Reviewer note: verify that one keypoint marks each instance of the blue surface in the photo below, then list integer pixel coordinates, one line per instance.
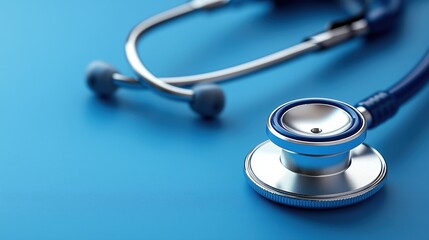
(143, 167)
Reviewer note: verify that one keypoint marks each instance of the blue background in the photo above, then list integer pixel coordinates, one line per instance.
(143, 167)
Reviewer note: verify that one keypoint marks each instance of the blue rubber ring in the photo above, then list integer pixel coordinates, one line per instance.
(276, 121)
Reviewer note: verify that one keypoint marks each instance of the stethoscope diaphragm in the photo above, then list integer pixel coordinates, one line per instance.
(316, 157)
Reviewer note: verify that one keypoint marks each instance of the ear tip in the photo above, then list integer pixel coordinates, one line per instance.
(208, 100)
(99, 77)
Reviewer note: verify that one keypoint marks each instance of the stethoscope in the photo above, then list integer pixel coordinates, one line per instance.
(208, 99)
(315, 156)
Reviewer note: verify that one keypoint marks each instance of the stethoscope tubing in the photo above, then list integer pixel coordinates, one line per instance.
(383, 105)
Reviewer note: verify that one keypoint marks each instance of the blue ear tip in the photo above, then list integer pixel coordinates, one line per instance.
(208, 100)
(99, 77)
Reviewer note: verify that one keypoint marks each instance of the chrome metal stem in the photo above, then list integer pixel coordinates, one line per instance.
(366, 114)
(125, 81)
(315, 165)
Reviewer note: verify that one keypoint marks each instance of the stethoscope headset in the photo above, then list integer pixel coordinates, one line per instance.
(315, 156)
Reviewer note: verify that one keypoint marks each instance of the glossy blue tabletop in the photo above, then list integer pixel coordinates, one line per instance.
(145, 167)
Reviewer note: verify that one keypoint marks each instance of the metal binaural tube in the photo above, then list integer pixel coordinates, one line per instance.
(168, 85)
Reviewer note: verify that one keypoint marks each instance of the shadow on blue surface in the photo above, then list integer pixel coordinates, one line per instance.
(149, 113)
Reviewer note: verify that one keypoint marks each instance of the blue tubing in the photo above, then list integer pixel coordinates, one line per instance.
(383, 105)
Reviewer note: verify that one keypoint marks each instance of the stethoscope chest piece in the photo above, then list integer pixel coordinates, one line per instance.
(315, 157)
